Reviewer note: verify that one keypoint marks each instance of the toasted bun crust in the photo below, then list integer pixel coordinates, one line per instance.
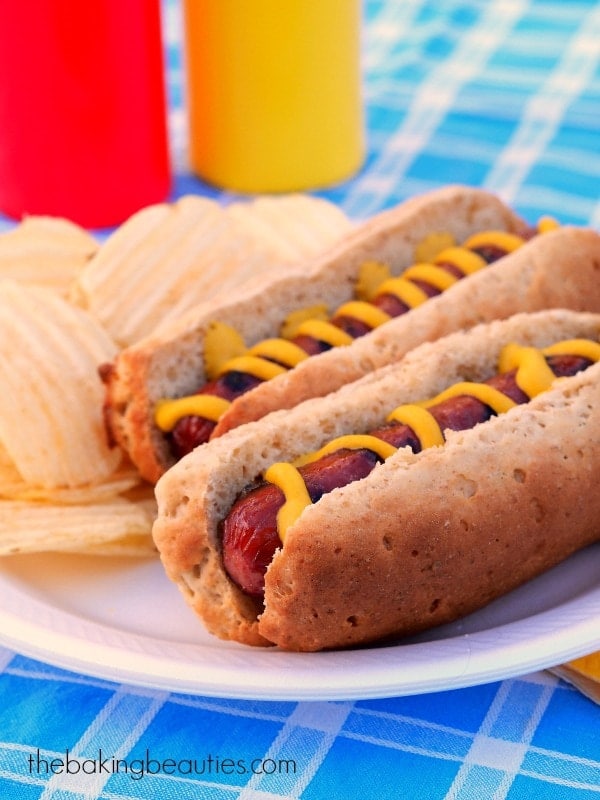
(423, 539)
(170, 363)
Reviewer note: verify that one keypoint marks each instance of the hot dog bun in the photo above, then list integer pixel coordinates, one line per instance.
(560, 269)
(170, 363)
(424, 539)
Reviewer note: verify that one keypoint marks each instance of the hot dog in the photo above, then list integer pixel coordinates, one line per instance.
(175, 390)
(424, 534)
(251, 532)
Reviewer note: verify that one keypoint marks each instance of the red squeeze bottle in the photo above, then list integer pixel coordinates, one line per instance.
(83, 131)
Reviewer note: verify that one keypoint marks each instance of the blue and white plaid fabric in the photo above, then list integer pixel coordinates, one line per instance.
(69, 737)
(503, 94)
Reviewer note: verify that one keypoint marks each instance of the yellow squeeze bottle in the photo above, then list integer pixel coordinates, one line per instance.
(274, 92)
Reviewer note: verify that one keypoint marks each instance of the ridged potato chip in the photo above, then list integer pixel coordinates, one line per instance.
(45, 251)
(290, 227)
(51, 395)
(115, 526)
(114, 485)
(584, 674)
(133, 546)
(162, 259)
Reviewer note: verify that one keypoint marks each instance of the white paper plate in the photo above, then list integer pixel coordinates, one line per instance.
(122, 620)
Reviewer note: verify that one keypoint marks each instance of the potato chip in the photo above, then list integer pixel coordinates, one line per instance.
(51, 395)
(584, 674)
(102, 527)
(168, 258)
(161, 258)
(8, 472)
(78, 495)
(45, 251)
(126, 547)
(291, 227)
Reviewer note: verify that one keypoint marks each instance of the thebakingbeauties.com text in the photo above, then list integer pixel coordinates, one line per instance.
(136, 768)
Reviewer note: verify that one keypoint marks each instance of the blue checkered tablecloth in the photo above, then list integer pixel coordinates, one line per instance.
(503, 94)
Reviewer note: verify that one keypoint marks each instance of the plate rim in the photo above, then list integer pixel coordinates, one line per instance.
(44, 632)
